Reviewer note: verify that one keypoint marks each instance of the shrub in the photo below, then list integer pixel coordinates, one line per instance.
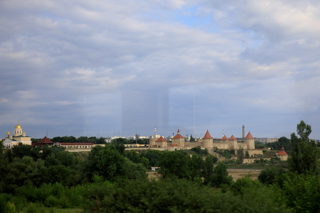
(302, 192)
(242, 184)
(51, 201)
(270, 175)
(179, 195)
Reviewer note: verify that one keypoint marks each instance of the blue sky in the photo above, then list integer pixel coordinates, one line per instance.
(104, 68)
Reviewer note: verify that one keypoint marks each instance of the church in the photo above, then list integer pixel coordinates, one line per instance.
(16, 138)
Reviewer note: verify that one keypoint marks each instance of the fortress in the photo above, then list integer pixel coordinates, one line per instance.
(178, 142)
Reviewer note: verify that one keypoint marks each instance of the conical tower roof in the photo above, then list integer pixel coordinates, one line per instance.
(224, 138)
(249, 136)
(232, 138)
(207, 135)
(282, 152)
(45, 140)
(161, 139)
(178, 135)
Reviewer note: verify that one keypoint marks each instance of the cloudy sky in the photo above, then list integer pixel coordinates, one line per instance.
(104, 68)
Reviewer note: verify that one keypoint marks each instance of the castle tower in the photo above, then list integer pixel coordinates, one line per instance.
(233, 143)
(243, 132)
(207, 140)
(17, 130)
(178, 139)
(249, 140)
(152, 142)
(224, 139)
(161, 142)
(282, 155)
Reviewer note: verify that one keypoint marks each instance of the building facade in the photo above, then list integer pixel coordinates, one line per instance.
(18, 137)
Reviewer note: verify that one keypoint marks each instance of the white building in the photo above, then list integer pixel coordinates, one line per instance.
(16, 138)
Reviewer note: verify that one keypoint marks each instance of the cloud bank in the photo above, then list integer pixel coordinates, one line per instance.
(103, 68)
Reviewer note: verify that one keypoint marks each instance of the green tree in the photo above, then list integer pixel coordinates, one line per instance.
(192, 139)
(240, 154)
(153, 156)
(208, 169)
(304, 155)
(221, 175)
(106, 162)
(270, 175)
(196, 166)
(174, 164)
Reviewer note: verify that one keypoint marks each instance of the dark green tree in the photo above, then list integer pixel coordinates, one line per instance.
(304, 155)
(153, 156)
(208, 169)
(240, 154)
(192, 139)
(221, 175)
(174, 164)
(196, 166)
(106, 162)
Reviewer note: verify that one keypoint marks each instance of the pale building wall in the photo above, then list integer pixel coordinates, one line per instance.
(193, 144)
(221, 145)
(178, 141)
(162, 144)
(207, 143)
(250, 143)
(152, 141)
(17, 131)
(251, 160)
(233, 144)
(255, 152)
(283, 157)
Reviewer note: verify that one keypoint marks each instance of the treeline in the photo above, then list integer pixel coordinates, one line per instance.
(130, 141)
(110, 179)
(72, 139)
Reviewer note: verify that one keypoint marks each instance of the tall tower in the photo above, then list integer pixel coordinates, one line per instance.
(243, 132)
(155, 132)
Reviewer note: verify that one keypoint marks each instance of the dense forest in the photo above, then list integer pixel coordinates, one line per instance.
(111, 179)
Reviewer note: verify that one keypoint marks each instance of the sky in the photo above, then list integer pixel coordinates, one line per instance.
(107, 68)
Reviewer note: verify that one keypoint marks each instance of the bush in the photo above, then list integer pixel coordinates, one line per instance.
(179, 195)
(270, 175)
(242, 184)
(52, 201)
(220, 175)
(302, 192)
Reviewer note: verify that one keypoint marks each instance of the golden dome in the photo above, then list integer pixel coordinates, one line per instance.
(24, 133)
(8, 133)
(18, 126)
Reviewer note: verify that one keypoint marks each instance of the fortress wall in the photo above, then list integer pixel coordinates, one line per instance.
(255, 152)
(193, 144)
(242, 145)
(221, 145)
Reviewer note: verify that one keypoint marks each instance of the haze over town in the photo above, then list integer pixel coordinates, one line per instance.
(104, 68)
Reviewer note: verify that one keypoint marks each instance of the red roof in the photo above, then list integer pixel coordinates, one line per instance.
(161, 139)
(224, 138)
(249, 136)
(232, 138)
(78, 144)
(207, 135)
(45, 140)
(282, 152)
(178, 135)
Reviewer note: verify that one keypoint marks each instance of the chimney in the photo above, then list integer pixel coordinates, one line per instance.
(243, 132)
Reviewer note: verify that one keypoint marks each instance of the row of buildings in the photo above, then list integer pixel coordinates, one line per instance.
(177, 142)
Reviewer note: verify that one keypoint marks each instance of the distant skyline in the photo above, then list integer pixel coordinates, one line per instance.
(105, 68)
